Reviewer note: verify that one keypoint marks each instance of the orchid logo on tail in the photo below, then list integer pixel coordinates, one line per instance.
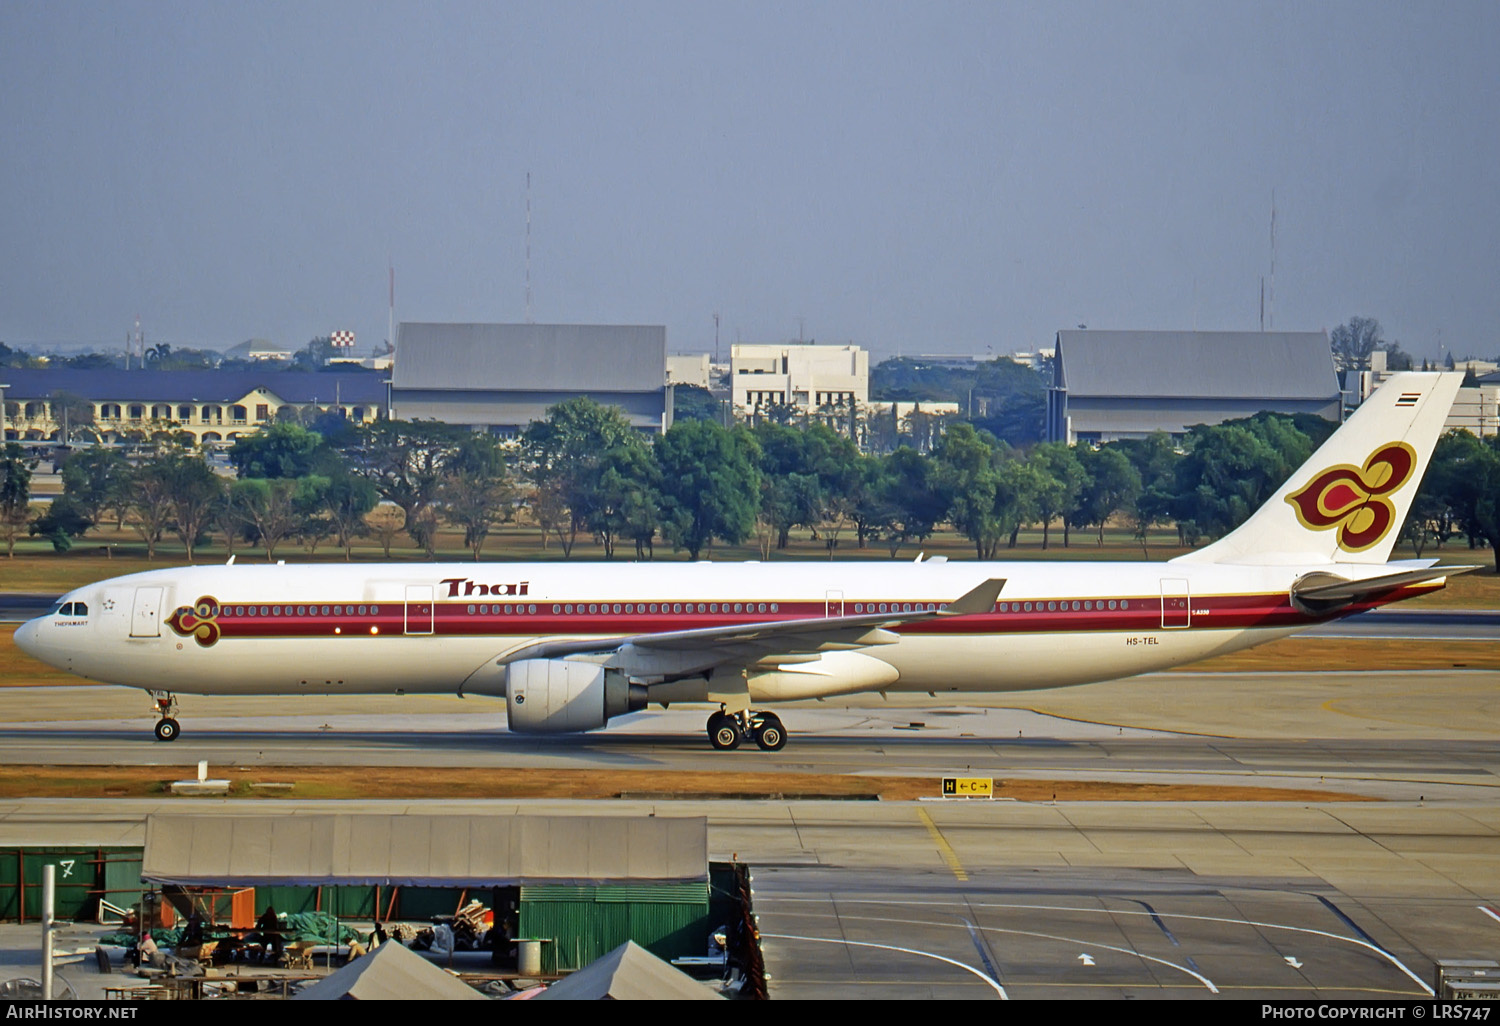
(1353, 499)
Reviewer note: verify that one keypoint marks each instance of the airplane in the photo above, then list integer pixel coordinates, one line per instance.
(571, 646)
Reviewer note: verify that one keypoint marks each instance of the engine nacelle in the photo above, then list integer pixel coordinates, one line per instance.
(557, 696)
(832, 673)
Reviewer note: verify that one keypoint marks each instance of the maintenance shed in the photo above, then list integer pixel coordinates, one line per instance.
(583, 885)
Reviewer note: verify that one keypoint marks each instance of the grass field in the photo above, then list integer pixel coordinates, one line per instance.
(327, 782)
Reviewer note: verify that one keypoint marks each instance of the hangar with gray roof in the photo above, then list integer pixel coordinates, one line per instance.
(500, 377)
(1109, 385)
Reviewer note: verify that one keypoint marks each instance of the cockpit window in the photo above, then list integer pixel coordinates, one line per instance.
(58, 608)
(72, 609)
(80, 609)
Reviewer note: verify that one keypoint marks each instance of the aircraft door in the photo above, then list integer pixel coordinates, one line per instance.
(833, 603)
(419, 609)
(1176, 603)
(145, 614)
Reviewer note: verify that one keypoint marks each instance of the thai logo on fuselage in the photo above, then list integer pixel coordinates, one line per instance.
(200, 621)
(1353, 499)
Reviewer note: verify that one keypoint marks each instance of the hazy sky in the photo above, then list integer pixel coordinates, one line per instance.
(917, 177)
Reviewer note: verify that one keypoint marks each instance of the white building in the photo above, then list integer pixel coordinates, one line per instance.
(1476, 409)
(813, 378)
(257, 349)
(689, 369)
(1037, 360)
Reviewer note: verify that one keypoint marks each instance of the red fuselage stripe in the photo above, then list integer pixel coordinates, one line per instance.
(1217, 612)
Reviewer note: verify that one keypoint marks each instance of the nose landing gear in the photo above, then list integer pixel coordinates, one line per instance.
(167, 728)
(726, 732)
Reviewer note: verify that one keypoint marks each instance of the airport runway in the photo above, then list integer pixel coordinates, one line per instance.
(851, 742)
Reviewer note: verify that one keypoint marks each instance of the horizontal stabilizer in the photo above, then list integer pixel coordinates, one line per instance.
(1325, 589)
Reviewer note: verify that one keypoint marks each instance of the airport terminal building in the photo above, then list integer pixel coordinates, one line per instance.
(214, 407)
(1109, 385)
(498, 378)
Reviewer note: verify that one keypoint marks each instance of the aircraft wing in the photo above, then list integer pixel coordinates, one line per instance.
(704, 647)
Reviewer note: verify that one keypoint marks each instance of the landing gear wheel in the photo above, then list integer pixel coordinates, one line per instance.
(724, 733)
(770, 734)
(167, 729)
(716, 721)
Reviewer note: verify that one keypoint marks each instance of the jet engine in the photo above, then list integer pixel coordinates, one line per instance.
(556, 696)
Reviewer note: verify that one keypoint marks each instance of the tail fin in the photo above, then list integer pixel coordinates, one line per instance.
(1347, 503)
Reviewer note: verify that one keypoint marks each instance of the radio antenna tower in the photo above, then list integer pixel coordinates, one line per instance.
(135, 344)
(1271, 291)
(528, 248)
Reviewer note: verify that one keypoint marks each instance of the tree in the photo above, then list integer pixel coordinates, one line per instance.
(226, 518)
(95, 481)
(1452, 489)
(151, 502)
(834, 461)
(550, 511)
(709, 485)
(1154, 458)
(1230, 470)
(347, 500)
(405, 461)
(194, 490)
(60, 522)
(690, 402)
(969, 465)
(385, 522)
(625, 498)
(74, 416)
(872, 510)
(1060, 479)
(809, 477)
(315, 355)
(1111, 484)
(268, 505)
(1487, 509)
(15, 493)
(789, 490)
(1465, 476)
(564, 454)
(1425, 520)
(312, 524)
(282, 449)
(1012, 395)
(911, 491)
(1352, 343)
(477, 492)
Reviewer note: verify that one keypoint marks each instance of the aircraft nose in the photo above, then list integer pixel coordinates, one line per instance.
(27, 638)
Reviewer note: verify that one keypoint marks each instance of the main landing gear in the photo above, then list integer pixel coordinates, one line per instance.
(726, 731)
(167, 728)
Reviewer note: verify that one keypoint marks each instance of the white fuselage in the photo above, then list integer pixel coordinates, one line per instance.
(449, 627)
